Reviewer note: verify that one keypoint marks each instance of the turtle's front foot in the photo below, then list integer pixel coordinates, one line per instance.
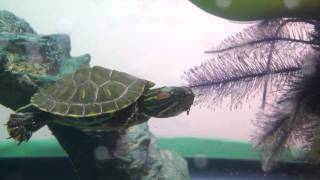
(17, 127)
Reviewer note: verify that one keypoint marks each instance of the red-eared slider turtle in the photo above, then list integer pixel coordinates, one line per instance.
(98, 98)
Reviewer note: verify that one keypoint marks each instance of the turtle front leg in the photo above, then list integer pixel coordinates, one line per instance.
(21, 126)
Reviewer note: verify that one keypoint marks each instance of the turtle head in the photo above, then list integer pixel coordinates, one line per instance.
(167, 101)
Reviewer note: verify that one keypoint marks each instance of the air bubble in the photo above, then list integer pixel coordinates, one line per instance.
(291, 4)
(286, 107)
(223, 3)
(3, 44)
(309, 64)
(101, 153)
(200, 161)
(33, 49)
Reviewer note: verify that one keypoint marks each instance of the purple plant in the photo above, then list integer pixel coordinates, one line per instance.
(277, 60)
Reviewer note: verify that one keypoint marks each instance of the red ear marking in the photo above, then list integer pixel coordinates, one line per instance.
(163, 95)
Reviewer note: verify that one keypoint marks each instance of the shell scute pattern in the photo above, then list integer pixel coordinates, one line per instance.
(75, 109)
(90, 92)
(81, 76)
(86, 92)
(109, 90)
(99, 75)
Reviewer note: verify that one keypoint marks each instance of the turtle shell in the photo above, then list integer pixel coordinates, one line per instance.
(90, 92)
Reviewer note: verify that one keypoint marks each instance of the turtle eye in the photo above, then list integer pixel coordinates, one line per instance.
(163, 95)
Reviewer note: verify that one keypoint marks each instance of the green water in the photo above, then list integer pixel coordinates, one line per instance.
(187, 147)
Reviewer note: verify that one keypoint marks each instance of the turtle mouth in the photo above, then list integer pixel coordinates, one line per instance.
(188, 111)
(188, 101)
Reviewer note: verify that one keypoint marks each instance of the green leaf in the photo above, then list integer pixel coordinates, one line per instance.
(248, 10)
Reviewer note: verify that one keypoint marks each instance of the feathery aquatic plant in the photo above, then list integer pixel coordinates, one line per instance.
(277, 60)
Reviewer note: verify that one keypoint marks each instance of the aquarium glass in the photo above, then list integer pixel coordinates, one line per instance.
(160, 41)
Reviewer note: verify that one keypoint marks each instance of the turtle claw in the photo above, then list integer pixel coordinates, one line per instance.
(19, 135)
(17, 130)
